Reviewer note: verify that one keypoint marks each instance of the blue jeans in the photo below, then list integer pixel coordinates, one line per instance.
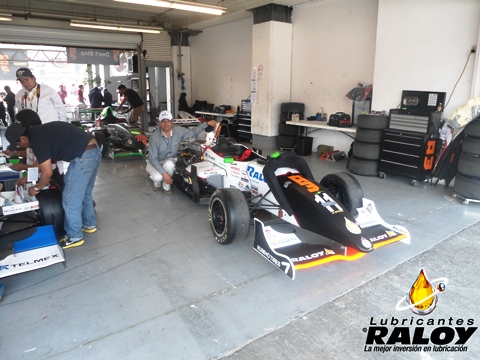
(77, 197)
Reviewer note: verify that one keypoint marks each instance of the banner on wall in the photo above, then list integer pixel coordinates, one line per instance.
(92, 56)
(10, 61)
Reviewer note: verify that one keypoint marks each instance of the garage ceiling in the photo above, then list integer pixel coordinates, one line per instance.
(132, 14)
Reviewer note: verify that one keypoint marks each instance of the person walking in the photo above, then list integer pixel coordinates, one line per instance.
(134, 101)
(41, 98)
(62, 93)
(81, 98)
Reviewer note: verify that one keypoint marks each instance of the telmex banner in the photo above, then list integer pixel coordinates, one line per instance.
(92, 56)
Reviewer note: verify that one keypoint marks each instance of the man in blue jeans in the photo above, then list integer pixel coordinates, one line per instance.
(60, 141)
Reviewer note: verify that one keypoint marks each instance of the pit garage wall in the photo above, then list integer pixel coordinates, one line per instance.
(394, 45)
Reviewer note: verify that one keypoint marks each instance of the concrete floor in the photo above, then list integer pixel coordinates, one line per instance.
(153, 284)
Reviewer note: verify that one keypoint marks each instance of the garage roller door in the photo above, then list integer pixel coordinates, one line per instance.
(67, 37)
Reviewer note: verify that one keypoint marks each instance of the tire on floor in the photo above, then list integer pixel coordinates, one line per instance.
(362, 166)
(369, 135)
(467, 187)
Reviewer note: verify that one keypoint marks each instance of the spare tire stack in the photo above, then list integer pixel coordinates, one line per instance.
(287, 134)
(467, 180)
(367, 145)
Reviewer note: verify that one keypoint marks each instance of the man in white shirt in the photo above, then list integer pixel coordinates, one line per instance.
(42, 99)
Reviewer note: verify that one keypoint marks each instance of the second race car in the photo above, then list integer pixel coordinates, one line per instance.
(299, 222)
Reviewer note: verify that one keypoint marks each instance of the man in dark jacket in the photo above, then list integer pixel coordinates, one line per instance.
(107, 98)
(10, 101)
(135, 102)
(96, 99)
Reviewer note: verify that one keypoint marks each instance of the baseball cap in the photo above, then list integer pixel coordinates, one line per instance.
(13, 133)
(23, 73)
(165, 115)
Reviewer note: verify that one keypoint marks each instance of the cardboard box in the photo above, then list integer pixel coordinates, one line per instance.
(321, 149)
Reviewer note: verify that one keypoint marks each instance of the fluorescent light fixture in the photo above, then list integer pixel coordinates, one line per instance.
(5, 17)
(181, 5)
(113, 27)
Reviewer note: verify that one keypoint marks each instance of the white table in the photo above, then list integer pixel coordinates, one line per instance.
(219, 117)
(322, 125)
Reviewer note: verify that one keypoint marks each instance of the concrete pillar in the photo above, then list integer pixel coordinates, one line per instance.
(271, 61)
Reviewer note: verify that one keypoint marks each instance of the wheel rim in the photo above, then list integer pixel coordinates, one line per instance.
(219, 218)
(338, 193)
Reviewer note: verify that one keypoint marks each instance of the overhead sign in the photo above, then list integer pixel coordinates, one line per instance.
(92, 56)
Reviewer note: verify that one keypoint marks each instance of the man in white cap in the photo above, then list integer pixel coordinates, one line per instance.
(163, 147)
(40, 98)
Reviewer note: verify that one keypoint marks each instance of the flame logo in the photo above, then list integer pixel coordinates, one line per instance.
(422, 297)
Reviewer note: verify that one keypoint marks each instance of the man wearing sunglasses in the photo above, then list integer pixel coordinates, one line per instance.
(163, 147)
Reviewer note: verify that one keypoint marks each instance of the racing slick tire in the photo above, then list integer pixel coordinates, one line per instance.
(51, 210)
(471, 145)
(363, 167)
(368, 151)
(469, 165)
(100, 138)
(229, 216)
(369, 135)
(377, 122)
(473, 128)
(346, 189)
(288, 130)
(287, 107)
(286, 142)
(467, 187)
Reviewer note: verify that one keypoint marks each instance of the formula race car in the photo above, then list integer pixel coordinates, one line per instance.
(117, 136)
(299, 223)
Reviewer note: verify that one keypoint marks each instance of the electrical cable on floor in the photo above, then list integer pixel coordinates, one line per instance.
(453, 90)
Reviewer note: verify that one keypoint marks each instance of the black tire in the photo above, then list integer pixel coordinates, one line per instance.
(229, 216)
(469, 165)
(473, 128)
(378, 122)
(471, 145)
(288, 130)
(50, 209)
(346, 189)
(467, 187)
(368, 151)
(100, 137)
(369, 135)
(286, 142)
(362, 166)
(287, 107)
(283, 117)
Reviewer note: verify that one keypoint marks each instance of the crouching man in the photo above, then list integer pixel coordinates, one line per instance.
(60, 141)
(163, 147)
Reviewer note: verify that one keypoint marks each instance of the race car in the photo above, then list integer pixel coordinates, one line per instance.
(298, 222)
(117, 136)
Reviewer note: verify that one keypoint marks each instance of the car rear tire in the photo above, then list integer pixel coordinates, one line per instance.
(229, 216)
(346, 189)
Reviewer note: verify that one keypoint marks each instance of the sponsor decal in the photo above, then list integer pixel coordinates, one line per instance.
(415, 333)
(328, 203)
(245, 180)
(268, 256)
(352, 227)
(26, 263)
(300, 180)
(255, 174)
(308, 257)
